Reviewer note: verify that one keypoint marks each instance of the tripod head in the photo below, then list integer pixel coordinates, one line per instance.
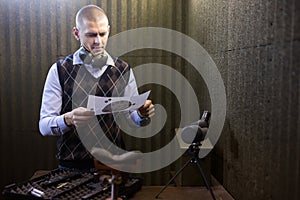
(195, 133)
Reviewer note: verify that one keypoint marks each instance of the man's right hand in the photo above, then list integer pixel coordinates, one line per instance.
(78, 116)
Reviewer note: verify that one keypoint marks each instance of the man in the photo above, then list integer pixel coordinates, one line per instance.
(90, 70)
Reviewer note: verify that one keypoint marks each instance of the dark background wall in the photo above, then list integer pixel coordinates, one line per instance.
(256, 47)
(254, 43)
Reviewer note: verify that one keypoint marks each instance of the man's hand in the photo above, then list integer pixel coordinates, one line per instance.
(78, 116)
(147, 110)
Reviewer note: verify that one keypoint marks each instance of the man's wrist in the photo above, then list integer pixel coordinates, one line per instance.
(140, 115)
(144, 120)
(68, 120)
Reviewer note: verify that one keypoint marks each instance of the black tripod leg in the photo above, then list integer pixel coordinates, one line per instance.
(203, 176)
(177, 173)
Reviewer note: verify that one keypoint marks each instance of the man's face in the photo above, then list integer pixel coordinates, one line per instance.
(93, 35)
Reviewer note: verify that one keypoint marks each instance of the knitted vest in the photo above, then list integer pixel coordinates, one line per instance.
(77, 83)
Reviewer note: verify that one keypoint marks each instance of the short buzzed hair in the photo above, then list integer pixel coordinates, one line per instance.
(90, 13)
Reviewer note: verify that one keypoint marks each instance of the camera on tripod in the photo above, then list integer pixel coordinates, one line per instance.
(193, 135)
(196, 132)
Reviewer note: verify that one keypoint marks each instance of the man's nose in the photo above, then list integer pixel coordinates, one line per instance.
(97, 39)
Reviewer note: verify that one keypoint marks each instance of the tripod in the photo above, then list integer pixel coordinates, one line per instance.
(193, 150)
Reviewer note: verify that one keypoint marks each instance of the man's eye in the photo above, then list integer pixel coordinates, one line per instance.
(95, 34)
(91, 35)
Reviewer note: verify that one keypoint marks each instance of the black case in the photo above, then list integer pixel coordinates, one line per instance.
(69, 184)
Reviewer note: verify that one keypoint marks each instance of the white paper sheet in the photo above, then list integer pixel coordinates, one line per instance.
(105, 105)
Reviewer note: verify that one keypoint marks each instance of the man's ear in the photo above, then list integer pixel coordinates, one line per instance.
(76, 33)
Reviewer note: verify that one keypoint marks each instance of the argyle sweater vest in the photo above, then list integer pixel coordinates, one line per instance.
(77, 83)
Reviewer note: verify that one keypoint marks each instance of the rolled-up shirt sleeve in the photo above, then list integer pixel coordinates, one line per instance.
(51, 122)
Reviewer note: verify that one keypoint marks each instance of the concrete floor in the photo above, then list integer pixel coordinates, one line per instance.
(183, 193)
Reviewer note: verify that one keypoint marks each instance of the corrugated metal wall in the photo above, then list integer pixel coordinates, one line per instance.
(34, 35)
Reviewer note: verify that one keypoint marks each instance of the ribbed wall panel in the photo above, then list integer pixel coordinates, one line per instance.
(34, 35)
